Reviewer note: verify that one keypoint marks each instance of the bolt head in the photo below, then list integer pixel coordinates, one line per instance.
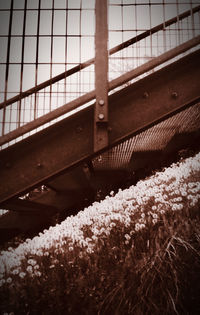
(145, 95)
(174, 95)
(101, 102)
(101, 116)
(79, 129)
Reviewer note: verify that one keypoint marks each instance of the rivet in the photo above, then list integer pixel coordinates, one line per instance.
(79, 129)
(145, 95)
(101, 116)
(174, 94)
(39, 165)
(101, 102)
(109, 129)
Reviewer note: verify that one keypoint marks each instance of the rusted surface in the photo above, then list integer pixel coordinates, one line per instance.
(91, 95)
(23, 205)
(50, 152)
(101, 77)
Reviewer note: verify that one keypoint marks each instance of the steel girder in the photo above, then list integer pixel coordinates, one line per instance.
(69, 142)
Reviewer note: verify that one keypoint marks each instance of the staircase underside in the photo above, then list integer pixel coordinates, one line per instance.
(149, 121)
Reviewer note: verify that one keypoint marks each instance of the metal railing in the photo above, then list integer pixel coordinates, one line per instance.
(44, 63)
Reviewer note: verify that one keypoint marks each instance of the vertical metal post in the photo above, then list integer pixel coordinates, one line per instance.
(37, 56)
(7, 67)
(51, 54)
(22, 64)
(101, 76)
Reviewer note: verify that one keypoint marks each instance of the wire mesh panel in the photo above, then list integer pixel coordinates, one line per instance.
(154, 139)
(45, 44)
(157, 26)
(41, 39)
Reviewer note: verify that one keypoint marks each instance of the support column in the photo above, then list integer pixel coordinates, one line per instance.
(101, 76)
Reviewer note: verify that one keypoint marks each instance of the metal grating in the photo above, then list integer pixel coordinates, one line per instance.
(42, 39)
(154, 139)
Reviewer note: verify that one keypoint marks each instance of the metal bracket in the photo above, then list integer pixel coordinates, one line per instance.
(101, 77)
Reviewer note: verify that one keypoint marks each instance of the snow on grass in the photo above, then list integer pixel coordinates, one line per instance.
(3, 211)
(132, 210)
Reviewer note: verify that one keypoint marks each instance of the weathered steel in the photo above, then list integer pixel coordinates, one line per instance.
(74, 180)
(113, 50)
(101, 77)
(22, 205)
(63, 145)
(66, 139)
(91, 95)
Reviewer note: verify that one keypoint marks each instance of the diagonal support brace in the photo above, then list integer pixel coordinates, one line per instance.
(101, 76)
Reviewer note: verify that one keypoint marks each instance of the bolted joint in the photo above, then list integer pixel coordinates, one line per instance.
(39, 165)
(101, 116)
(101, 102)
(145, 95)
(79, 129)
(174, 95)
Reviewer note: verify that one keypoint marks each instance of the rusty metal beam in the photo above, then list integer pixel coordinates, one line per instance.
(26, 205)
(91, 95)
(74, 180)
(101, 76)
(69, 142)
